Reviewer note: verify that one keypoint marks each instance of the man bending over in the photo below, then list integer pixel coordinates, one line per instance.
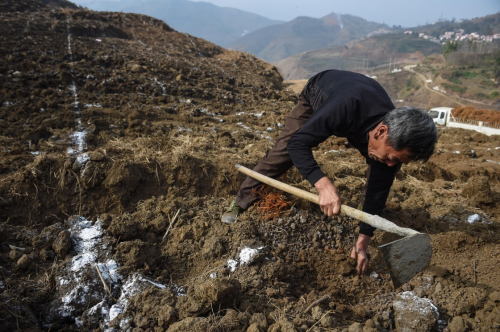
(350, 105)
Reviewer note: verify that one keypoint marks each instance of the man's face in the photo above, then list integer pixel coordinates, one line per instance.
(380, 150)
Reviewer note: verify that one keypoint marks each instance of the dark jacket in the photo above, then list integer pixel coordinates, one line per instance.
(349, 105)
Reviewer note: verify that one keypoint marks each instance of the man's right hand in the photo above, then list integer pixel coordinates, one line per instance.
(329, 198)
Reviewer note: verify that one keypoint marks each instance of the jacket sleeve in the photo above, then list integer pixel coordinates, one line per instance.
(330, 119)
(379, 184)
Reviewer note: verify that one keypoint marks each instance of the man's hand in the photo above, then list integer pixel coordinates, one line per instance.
(359, 253)
(329, 198)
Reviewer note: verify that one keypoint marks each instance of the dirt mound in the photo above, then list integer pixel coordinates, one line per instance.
(474, 114)
(34, 5)
(118, 142)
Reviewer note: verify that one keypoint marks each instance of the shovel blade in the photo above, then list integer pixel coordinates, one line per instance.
(407, 257)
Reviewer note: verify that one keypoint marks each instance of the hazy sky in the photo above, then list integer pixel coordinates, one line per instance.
(407, 13)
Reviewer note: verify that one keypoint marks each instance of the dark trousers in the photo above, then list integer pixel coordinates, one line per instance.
(277, 161)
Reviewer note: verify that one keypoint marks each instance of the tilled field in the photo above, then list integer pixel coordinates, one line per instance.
(118, 144)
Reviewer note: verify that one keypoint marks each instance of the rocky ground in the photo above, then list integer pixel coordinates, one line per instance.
(118, 140)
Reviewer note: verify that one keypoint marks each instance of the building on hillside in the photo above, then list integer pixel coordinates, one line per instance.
(459, 35)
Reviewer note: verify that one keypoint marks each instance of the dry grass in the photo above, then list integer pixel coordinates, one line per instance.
(280, 317)
(295, 85)
(60, 176)
(140, 149)
(188, 145)
(183, 146)
(146, 149)
(217, 322)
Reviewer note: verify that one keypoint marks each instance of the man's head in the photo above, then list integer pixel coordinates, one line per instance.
(405, 134)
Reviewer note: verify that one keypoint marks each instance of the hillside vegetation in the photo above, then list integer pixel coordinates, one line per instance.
(470, 78)
(378, 52)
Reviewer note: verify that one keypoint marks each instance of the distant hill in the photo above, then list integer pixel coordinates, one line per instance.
(220, 25)
(486, 25)
(304, 34)
(375, 52)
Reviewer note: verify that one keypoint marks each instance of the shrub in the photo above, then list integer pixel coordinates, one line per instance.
(455, 88)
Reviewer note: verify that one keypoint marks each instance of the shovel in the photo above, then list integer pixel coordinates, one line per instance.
(405, 257)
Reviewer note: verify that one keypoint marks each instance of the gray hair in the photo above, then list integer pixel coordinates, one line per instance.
(412, 128)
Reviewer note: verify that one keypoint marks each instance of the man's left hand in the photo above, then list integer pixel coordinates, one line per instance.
(359, 253)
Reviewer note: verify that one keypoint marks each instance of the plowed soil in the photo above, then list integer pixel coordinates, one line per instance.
(118, 143)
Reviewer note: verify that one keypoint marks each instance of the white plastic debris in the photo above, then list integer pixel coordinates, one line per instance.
(79, 289)
(232, 265)
(213, 115)
(244, 257)
(247, 254)
(134, 285)
(83, 158)
(92, 105)
(474, 218)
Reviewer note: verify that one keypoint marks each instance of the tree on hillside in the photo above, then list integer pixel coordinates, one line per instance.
(450, 46)
(496, 70)
(485, 30)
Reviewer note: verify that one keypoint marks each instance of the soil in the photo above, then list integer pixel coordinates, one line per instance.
(118, 144)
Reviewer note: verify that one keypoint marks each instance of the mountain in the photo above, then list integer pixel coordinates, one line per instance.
(304, 34)
(383, 51)
(373, 52)
(220, 25)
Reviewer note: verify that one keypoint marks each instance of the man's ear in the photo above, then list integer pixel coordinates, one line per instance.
(381, 132)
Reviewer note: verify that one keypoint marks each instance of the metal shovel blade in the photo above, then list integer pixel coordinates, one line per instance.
(407, 257)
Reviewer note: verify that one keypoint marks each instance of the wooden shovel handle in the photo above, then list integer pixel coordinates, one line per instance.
(372, 220)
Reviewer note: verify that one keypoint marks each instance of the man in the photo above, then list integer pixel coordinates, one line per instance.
(356, 107)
